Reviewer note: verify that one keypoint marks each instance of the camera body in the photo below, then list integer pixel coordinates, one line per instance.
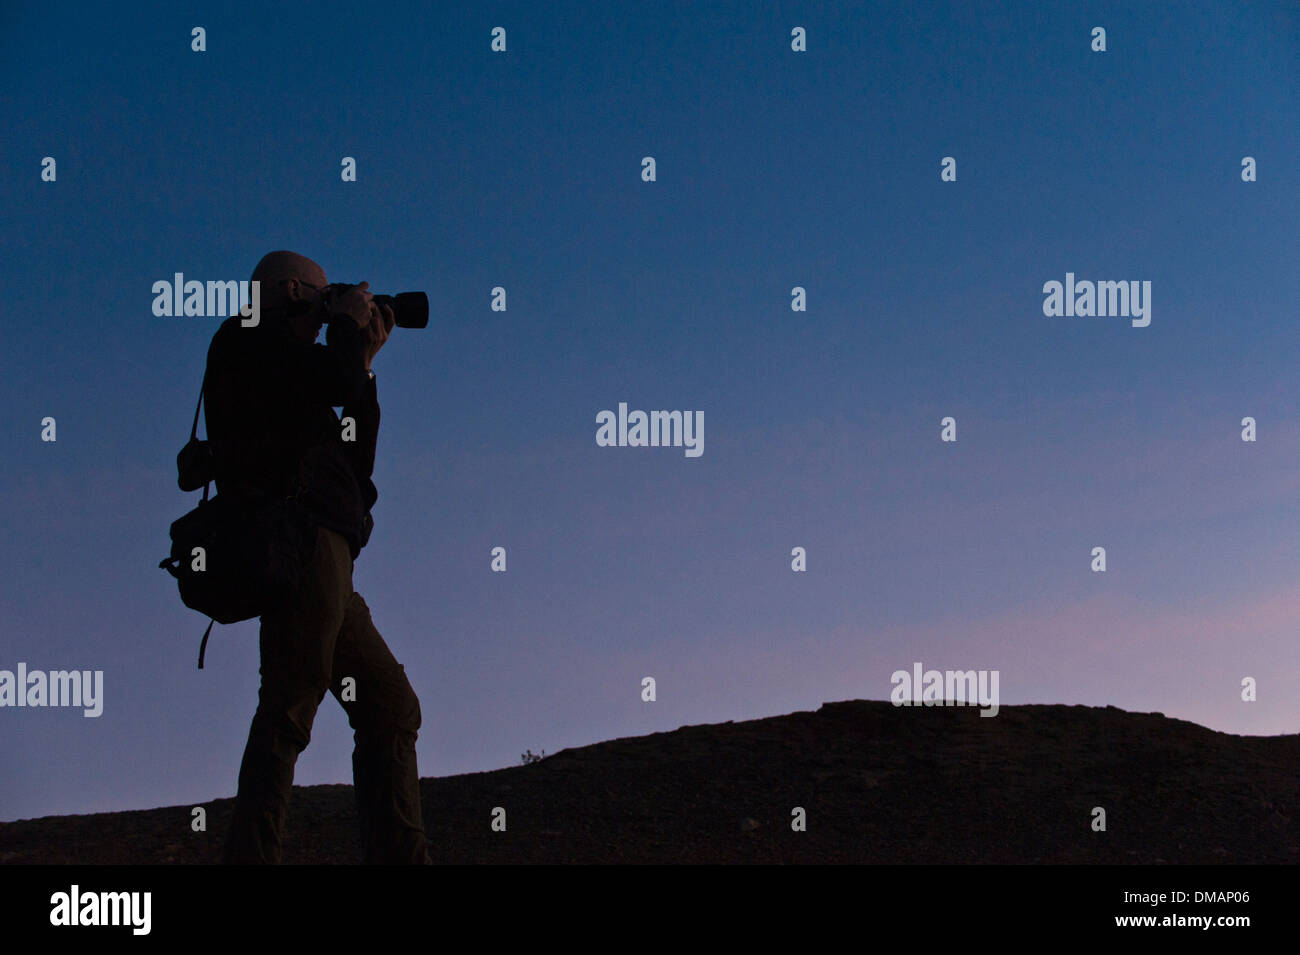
(410, 309)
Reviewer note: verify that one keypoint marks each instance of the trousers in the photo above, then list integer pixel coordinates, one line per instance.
(324, 639)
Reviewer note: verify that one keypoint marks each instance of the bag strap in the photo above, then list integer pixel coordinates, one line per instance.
(194, 434)
(203, 647)
(194, 429)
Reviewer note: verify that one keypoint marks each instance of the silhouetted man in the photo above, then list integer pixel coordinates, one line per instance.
(270, 398)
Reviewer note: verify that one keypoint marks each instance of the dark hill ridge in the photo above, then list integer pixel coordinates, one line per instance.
(879, 784)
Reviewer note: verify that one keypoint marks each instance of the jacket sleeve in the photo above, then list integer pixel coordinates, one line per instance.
(361, 453)
(238, 450)
(335, 372)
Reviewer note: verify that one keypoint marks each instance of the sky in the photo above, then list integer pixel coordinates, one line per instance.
(774, 169)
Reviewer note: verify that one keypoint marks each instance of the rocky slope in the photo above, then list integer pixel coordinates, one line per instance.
(877, 784)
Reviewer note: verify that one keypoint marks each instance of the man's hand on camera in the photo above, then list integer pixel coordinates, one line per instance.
(377, 330)
(355, 302)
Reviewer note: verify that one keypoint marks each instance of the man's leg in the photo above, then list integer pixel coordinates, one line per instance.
(297, 646)
(385, 714)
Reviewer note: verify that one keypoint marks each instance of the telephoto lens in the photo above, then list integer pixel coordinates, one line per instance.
(410, 309)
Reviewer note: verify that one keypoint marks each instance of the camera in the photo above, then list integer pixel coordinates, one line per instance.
(410, 309)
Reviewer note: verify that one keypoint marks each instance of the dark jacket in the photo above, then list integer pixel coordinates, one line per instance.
(269, 409)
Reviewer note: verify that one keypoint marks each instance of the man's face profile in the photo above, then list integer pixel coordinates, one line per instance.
(304, 314)
(291, 284)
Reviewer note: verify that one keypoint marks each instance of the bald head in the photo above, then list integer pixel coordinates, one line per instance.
(289, 284)
(280, 274)
(288, 265)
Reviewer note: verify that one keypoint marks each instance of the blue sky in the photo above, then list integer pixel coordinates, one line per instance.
(774, 169)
